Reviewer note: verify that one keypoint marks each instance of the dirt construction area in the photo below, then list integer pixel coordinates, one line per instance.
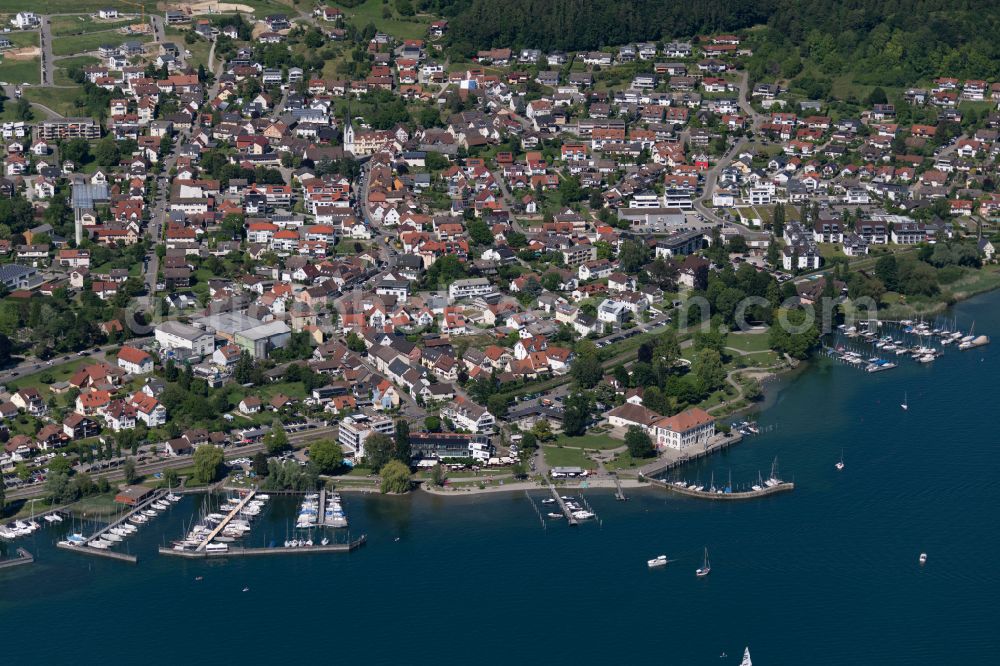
(22, 54)
(194, 8)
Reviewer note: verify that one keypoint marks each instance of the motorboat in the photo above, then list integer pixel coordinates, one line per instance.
(583, 515)
(554, 515)
(923, 559)
(656, 562)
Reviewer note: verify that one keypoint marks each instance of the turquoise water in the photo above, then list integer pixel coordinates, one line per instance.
(827, 574)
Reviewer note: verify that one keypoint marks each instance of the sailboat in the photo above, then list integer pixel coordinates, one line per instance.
(705, 569)
(746, 658)
(906, 402)
(840, 465)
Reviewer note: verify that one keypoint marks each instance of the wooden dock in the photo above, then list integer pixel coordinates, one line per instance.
(573, 522)
(249, 552)
(158, 495)
(766, 491)
(225, 521)
(321, 516)
(23, 557)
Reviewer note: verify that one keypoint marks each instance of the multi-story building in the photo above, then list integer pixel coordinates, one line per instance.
(467, 415)
(357, 428)
(690, 428)
(174, 335)
(69, 128)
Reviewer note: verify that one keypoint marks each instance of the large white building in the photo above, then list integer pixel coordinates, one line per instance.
(693, 427)
(467, 415)
(470, 288)
(357, 428)
(175, 335)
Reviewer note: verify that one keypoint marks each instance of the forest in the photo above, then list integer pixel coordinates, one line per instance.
(895, 42)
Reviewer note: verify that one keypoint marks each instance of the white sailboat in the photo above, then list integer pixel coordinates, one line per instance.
(705, 569)
(906, 402)
(840, 465)
(746, 658)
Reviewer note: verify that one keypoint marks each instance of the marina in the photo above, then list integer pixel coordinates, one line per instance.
(240, 551)
(112, 534)
(23, 557)
(871, 344)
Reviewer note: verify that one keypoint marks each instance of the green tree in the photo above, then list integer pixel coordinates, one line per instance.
(170, 478)
(576, 414)
(886, 271)
(480, 232)
(401, 439)
(395, 477)
(438, 475)
(707, 369)
(76, 151)
(207, 464)
(354, 342)
(129, 469)
(432, 423)
(378, 450)
(587, 370)
(638, 443)
(276, 440)
(327, 455)
(260, 464)
(633, 256)
(107, 153)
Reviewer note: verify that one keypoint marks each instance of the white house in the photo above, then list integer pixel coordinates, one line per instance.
(134, 361)
(691, 428)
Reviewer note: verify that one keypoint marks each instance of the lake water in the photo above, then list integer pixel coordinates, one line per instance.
(826, 574)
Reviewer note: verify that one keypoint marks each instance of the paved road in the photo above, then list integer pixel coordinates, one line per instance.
(45, 36)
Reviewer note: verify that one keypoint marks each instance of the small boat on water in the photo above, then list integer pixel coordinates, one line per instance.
(656, 562)
(906, 403)
(746, 658)
(548, 501)
(554, 515)
(583, 515)
(324, 542)
(706, 567)
(840, 463)
(923, 559)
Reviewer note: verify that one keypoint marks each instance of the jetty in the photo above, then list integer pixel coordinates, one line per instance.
(267, 550)
(619, 493)
(85, 547)
(23, 557)
(321, 516)
(780, 487)
(570, 519)
(225, 521)
(672, 459)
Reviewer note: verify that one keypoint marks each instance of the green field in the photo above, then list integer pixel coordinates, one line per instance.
(70, 6)
(21, 71)
(23, 38)
(56, 373)
(75, 25)
(561, 457)
(60, 100)
(599, 441)
(90, 42)
(413, 27)
(748, 342)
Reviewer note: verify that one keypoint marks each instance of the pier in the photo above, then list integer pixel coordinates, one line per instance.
(321, 516)
(23, 557)
(225, 521)
(619, 493)
(781, 487)
(110, 554)
(666, 462)
(158, 495)
(573, 522)
(269, 550)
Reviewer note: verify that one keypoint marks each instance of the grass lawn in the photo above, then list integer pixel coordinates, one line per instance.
(748, 342)
(624, 460)
(60, 100)
(58, 373)
(75, 25)
(21, 71)
(562, 457)
(412, 27)
(90, 42)
(100, 505)
(599, 441)
(22, 38)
